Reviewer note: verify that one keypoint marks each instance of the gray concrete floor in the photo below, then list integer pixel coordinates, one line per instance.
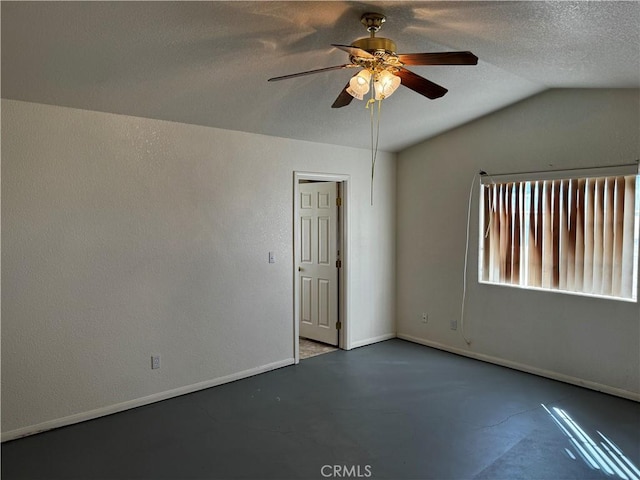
(393, 410)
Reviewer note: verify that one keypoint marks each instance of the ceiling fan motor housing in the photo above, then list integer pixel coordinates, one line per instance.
(383, 49)
(373, 44)
(373, 22)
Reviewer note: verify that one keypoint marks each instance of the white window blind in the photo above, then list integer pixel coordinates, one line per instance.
(571, 234)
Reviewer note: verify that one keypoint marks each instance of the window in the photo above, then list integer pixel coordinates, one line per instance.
(574, 234)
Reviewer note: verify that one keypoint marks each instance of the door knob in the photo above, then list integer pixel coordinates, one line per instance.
(299, 269)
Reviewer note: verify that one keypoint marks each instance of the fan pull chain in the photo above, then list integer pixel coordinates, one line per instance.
(374, 143)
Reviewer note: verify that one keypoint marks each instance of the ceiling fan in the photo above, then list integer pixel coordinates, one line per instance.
(381, 64)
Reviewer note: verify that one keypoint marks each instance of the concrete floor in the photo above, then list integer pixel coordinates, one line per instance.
(393, 410)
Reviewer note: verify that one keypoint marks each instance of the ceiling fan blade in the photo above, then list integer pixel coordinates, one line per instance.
(343, 99)
(442, 58)
(309, 72)
(355, 51)
(420, 84)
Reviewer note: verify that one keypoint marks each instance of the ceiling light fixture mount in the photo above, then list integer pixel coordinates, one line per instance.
(372, 21)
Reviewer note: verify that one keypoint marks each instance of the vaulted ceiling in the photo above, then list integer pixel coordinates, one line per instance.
(207, 63)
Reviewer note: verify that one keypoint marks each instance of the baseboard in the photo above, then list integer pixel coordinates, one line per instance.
(369, 341)
(526, 368)
(139, 402)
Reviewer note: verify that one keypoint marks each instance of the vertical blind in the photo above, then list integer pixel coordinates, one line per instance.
(575, 235)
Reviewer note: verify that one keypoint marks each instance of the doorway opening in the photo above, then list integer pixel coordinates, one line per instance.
(311, 348)
(320, 246)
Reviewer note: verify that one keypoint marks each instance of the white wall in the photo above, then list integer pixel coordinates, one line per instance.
(583, 340)
(125, 237)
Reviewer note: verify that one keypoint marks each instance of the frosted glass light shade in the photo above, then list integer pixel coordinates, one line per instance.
(359, 84)
(385, 84)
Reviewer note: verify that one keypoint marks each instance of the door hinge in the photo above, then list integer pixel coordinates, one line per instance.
(338, 325)
(338, 263)
(338, 201)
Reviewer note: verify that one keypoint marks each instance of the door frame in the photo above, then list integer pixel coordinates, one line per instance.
(344, 336)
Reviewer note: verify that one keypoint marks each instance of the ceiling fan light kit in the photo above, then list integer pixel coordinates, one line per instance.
(359, 84)
(385, 84)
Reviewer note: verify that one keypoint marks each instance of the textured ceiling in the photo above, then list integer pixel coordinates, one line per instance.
(207, 63)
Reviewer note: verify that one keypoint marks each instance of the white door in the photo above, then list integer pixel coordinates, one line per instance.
(317, 262)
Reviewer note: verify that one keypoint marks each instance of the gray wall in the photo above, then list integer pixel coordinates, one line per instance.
(124, 237)
(582, 340)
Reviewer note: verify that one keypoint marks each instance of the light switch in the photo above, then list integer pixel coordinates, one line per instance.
(272, 257)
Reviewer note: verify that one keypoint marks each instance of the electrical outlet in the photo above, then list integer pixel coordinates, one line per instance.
(155, 362)
(425, 317)
(454, 324)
